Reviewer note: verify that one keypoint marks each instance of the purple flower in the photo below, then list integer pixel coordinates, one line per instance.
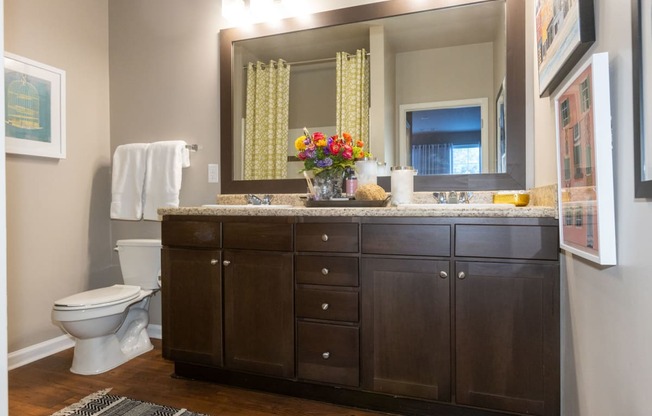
(310, 153)
(324, 163)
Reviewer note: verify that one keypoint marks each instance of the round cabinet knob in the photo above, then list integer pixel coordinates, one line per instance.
(324, 237)
(325, 355)
(214, 262)
(443, 274)
(324, 271)
(461, 275)
(226, 262)
(325, 306)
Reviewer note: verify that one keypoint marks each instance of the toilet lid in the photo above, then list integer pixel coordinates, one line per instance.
(99, 297)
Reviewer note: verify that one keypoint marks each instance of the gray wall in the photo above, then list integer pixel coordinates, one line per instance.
(606, 335)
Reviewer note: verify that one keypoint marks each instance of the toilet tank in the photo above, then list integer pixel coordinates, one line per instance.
(140, 262)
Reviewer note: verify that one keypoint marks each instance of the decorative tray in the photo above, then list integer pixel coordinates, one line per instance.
(347, 203)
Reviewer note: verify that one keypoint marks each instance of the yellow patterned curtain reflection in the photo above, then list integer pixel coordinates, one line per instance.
(353, 94)
(266, 125)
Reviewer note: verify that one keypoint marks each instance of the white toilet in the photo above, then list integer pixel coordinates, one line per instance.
(110, 324)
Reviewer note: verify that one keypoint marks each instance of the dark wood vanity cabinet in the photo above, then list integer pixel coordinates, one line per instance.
(191, 281)
(423, 316)
(507, 317)
(507, 329)
(258, 297)
(406, 327)
(327, 301)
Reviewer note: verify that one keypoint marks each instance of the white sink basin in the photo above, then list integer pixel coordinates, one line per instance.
(455, 206)
(241, 206)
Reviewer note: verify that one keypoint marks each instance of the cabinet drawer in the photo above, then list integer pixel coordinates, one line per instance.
(204, 234)
(258, 236)
(406, 239)
(325, 270)
(327, 304)
(342, 238)
(328, 353)
(507, 241)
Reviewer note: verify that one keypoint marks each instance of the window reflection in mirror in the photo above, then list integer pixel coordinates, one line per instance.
(446, 55)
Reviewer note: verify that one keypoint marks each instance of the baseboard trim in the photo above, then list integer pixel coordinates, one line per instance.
(155, 331)
(46, 348)
(41, 350)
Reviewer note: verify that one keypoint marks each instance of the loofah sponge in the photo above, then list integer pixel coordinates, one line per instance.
(370, 192)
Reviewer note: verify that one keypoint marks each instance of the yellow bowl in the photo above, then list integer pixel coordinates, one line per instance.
(518, 199)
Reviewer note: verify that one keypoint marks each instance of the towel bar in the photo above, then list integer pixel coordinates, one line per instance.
(193, 147)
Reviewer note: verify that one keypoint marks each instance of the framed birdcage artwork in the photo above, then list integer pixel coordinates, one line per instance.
(584, 163)
(35, 108)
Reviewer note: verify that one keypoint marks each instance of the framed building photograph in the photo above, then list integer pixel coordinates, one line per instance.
(35, 108)
(584, 161)
(565, 29)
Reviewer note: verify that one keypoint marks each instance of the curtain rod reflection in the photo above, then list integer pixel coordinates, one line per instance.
(312, 61)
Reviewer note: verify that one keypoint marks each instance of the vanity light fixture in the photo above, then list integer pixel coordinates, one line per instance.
(243, 12)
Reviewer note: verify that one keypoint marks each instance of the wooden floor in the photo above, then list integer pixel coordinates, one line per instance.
(45, 386)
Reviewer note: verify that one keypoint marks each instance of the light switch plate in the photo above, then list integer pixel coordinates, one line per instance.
(213, 173)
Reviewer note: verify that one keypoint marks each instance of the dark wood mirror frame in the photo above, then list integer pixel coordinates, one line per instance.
(642, 189)
(515, 96)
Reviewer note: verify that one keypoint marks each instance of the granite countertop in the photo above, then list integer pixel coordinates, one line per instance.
(542, 205)
(460, 210)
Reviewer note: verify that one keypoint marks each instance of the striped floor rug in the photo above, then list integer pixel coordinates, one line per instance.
(103, 404)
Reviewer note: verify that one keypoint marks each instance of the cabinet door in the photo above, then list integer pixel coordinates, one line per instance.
(507, 336)
(259, 312)
(406, 327)
(192, 305)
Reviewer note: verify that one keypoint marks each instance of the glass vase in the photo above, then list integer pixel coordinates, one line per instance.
(328, 184)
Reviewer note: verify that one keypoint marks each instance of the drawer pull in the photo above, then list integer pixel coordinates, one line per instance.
(461, 275)
(325, 306)
(324, 271)
(324, 237)
(225, 262)
(325, 355)
(443, 274)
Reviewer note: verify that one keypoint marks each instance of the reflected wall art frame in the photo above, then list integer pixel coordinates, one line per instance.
(35, 108)
(642, 94)
(584, 163)
(564, 32)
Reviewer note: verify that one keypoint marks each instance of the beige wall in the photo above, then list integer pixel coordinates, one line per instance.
(57, 228)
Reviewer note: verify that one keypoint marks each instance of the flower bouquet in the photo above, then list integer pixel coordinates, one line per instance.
(327, 158)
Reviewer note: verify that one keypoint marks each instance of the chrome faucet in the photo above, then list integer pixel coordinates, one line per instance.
(453, 197)
(255, 200)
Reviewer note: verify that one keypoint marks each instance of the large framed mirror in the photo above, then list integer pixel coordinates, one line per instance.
(642, 92)
(450, 27)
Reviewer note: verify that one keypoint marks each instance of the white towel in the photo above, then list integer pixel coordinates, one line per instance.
(163, 176)
(127, 180)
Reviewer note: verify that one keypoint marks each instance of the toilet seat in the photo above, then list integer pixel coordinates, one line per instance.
(98, 298)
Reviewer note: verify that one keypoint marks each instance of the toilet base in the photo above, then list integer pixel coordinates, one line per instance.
(101, 354)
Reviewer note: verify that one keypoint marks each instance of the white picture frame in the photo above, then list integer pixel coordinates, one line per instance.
(584, 163)
(35, 108)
